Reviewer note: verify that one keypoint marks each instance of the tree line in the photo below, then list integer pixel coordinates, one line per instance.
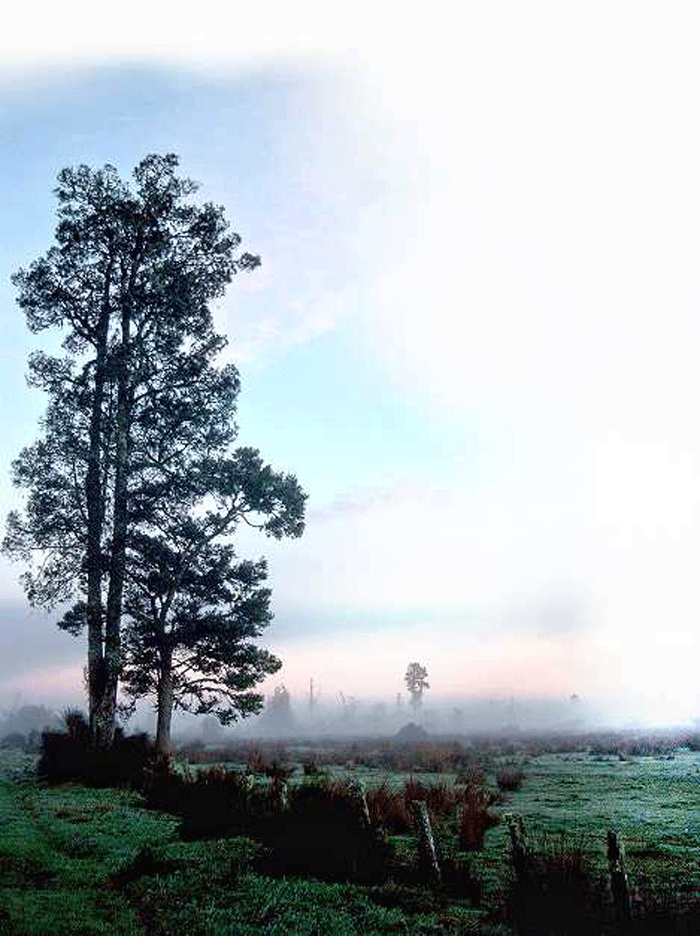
(133, 489)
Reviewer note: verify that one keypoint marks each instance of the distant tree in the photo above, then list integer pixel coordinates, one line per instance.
(278, 707)
(28, 718)
(129, 282)
(349, 706)
(15, 741)
(416, 680)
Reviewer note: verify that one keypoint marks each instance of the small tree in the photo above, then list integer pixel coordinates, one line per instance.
(416, 680)
(198, 656)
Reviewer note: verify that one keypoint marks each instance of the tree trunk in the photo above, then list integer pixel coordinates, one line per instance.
(120, 523)
(165, 701)
(117, 569)
(95, 506)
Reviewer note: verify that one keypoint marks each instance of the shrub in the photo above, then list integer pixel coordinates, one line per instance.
(510, 779)
(311, 768)
(77, 726)
(558, 894)
(316, 828)
(471, 775)
(69, 756)
(440, 799)
(476, 818)
(323, 833)
(388, 808)
(263, 760)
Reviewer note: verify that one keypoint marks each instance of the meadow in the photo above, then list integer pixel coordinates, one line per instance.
(79, 860)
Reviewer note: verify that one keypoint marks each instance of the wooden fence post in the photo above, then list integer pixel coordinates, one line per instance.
(518, 842)
(359, 795)
(619, 883)
(279, 793)
(426, 843)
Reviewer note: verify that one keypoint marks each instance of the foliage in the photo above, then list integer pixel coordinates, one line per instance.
(322, 833)
(476, 817)
(390, 805)
(558, 892)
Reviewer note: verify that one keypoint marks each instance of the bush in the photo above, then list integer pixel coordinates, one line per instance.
(77, 726)
(476, 818)
(388, 809)
(323, 832)
(69, 756)
(271, 761)
(311, 768)
(471, 775)
(314, 828)
(510, 779)
(557, 893)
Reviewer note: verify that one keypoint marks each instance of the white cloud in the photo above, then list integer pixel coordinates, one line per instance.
(531, 246)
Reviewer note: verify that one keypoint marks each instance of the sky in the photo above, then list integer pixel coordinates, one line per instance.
(473, 336)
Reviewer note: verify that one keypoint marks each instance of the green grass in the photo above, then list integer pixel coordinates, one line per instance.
(58, 849)
(654, 804)
(69, 857)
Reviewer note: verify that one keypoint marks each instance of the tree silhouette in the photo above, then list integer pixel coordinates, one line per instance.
(279, 708)
(192, 609)
(129, 282)
(416, 680)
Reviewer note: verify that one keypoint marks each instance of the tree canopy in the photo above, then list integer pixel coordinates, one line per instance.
(140, 417)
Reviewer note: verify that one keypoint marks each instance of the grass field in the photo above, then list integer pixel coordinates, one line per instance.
(81, 861)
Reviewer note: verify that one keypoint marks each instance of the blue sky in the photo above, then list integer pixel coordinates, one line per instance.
(473, 336)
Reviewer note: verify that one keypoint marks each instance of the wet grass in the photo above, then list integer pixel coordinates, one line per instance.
(93, 861)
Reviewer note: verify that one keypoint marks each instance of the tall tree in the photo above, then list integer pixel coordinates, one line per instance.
(129, 281)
